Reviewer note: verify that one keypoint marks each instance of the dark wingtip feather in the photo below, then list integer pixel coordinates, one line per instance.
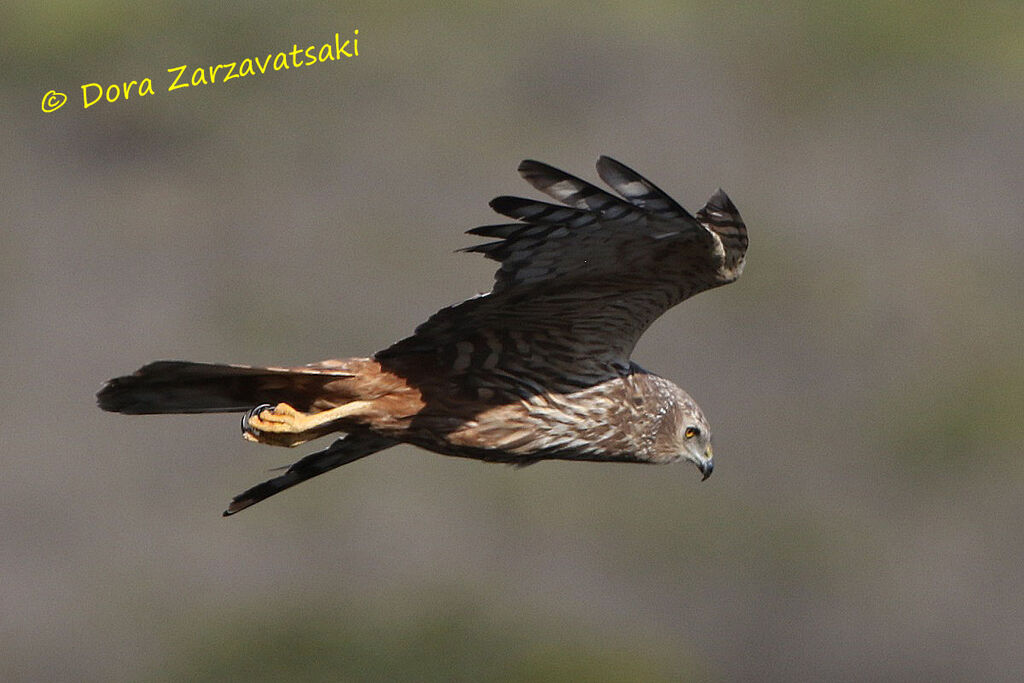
(343, 451)
(575, 192)
(266, 489)
(501, 230)
(271, 487)
(238, 504)
(720, 201)
(719, 211)
(638, 190)
(542, 176)
(533, 166)
(485, 248)
(722, 217)
(605, 164)
(534, 211)
(507, 205)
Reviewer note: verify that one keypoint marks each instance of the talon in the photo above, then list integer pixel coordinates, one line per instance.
(283, 425)
(249, 431)
(279, 419)
(282, 413)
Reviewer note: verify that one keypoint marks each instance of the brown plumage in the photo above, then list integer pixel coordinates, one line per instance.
(536, 369)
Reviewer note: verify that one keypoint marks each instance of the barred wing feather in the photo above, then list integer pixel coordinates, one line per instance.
(580, 283)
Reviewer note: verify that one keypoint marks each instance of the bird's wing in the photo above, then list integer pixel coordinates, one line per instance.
(578, 284)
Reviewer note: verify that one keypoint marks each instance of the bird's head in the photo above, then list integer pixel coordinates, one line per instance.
(686, 435)
(696, 440)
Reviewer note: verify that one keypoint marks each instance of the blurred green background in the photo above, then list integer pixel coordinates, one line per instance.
(865, 377)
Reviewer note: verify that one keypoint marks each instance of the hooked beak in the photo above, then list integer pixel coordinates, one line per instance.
(707, 466)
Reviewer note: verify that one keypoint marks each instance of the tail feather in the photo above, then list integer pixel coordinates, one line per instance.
(343, 451)
(186, 387)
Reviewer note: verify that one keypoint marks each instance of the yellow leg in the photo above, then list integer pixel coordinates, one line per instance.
(282, 425)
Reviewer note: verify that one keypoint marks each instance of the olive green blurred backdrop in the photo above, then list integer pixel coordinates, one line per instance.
(864, 377)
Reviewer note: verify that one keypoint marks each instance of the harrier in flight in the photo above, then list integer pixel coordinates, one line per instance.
(536, 369)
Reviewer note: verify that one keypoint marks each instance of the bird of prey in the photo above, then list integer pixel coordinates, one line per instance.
(536, 369)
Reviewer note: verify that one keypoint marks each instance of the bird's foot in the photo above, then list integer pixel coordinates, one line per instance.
(282, 425)
(281, 418)
(279, 425)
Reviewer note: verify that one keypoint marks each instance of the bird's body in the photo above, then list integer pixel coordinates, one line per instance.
(536, 369)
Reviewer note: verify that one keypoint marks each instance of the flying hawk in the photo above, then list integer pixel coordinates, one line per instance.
(536, 369)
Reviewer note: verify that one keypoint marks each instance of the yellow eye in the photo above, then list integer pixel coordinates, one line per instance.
(691, 432)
